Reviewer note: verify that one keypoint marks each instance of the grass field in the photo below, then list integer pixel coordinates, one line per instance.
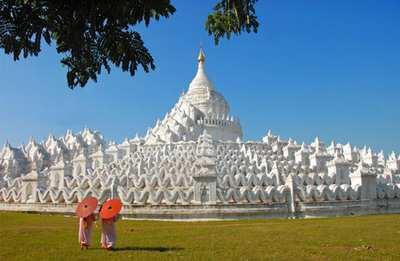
(45, 237)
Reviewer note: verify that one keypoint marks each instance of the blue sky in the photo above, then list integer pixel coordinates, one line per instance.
(327, 68)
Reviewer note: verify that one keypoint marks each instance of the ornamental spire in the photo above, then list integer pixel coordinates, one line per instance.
(202, 57)
(200, 81)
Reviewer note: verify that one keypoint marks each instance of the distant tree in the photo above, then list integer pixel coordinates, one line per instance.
(93, 34)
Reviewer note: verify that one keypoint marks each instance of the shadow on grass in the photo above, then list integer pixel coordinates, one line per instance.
(148, 249)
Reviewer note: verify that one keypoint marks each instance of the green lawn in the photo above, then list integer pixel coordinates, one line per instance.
(44, 237)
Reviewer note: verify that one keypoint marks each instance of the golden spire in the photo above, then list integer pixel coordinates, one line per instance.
(201, 57)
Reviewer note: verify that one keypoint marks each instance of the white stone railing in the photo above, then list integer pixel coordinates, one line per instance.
(217, 122)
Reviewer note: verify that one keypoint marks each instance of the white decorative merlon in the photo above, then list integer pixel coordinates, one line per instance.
(366, 179)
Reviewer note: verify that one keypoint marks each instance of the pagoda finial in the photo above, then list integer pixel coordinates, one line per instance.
(7, 145)
(200, 81)
(202, 56)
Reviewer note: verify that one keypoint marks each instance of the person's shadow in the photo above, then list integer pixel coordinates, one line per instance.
(148, 249)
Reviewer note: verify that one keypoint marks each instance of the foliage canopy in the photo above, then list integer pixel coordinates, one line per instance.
(92, 35)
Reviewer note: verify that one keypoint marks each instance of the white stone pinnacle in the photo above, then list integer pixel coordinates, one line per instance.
(200, 81)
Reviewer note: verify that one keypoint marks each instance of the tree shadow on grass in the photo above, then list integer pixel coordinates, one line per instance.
(148, 249)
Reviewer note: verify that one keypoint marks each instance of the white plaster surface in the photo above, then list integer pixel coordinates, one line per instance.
(193, 163)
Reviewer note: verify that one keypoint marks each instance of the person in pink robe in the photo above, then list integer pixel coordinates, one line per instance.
(108, 233)
(85, 230)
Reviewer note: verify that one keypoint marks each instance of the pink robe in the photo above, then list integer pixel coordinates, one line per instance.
(108, 234)
(85, 229)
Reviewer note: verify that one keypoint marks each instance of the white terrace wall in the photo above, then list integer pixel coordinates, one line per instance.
(208, 179)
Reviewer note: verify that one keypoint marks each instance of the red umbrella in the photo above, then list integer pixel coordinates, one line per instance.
(111, 208)
(86, 207)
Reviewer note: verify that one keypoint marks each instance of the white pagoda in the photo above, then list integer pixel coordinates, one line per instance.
(195, 164)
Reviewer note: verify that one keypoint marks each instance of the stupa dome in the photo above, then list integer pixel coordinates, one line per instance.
(203, 95)
(201, 108)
